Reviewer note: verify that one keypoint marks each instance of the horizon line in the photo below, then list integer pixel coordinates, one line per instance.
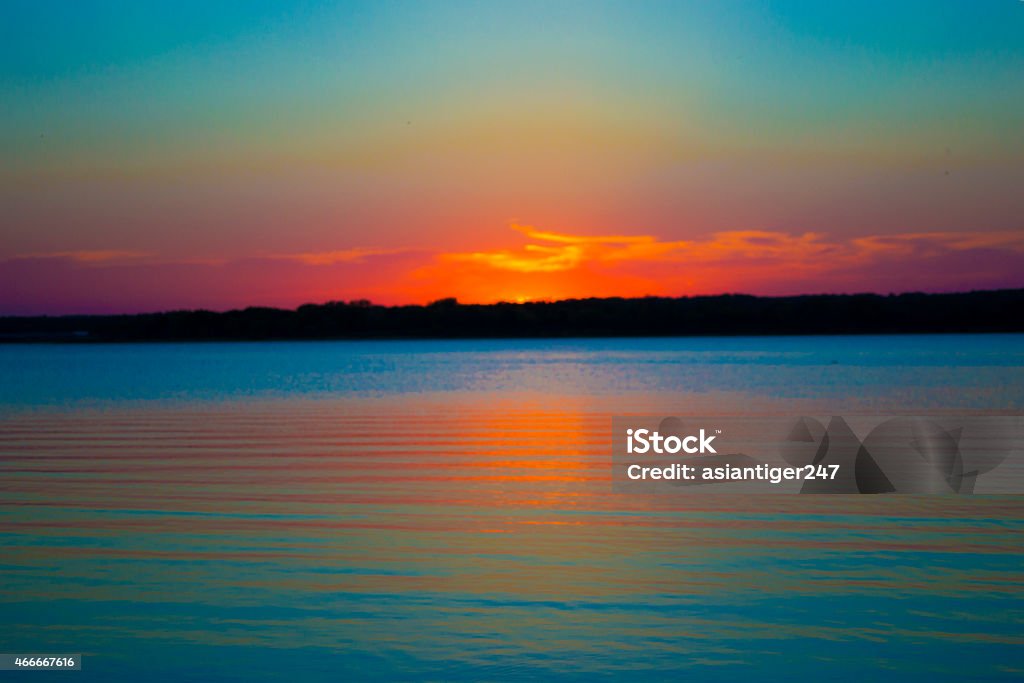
(453, 301)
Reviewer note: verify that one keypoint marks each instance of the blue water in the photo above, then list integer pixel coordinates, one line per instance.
(443, 511)
(983, 371)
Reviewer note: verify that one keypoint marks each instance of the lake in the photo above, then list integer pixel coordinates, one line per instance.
(443, 510)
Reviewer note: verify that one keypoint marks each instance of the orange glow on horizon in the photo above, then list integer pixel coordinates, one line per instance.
(555, 265)
(544, 265)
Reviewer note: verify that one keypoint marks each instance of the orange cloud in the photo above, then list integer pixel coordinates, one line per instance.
(330, 258)
(566, 252)
(554, 265)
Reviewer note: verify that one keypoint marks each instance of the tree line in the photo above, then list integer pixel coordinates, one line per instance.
(729, 314)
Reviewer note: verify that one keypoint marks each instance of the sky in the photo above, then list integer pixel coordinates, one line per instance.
(217, 155)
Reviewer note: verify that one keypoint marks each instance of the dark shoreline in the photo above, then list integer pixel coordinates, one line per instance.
(709, 316)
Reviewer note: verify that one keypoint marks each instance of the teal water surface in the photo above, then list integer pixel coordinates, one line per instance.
(443, 511)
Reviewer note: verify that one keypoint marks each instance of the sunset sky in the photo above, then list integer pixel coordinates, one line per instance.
(217, 155)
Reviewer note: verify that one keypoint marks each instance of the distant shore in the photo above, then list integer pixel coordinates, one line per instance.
(724, 315)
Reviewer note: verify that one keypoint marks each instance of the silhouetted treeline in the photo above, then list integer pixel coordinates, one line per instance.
(732, 314)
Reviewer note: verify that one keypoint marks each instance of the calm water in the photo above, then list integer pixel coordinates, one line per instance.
(443, 510)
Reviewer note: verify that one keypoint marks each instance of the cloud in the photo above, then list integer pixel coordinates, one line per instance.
(934, 243)
(113, 257)
(551, 252)
(96, 256)
(330, 258)
(561, 252)
(535, 259)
